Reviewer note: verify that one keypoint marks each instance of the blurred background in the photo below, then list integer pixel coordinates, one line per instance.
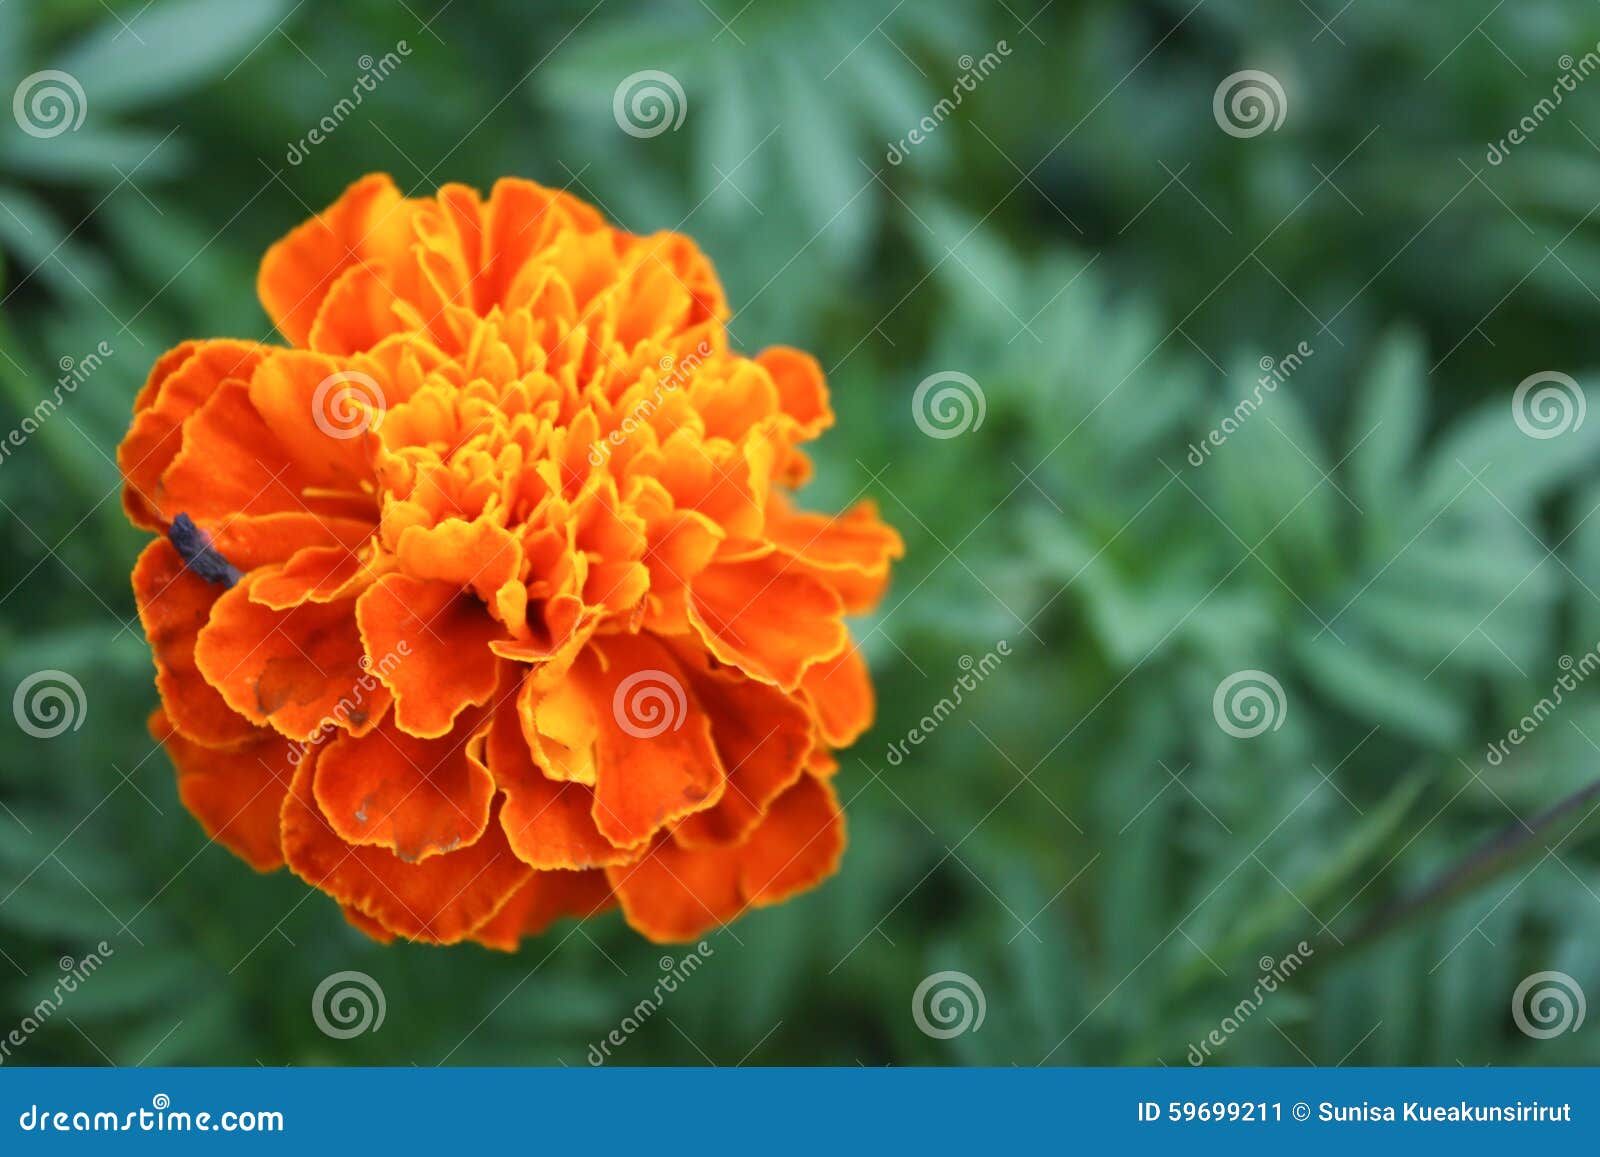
(1224, 465)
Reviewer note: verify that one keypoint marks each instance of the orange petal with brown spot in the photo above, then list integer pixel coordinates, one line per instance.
(298, 669)
(441, 900)
(416, 797)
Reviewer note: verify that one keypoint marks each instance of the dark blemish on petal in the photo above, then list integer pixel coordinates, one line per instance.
(194, 546)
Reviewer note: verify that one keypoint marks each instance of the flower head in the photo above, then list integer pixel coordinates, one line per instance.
(486, 602)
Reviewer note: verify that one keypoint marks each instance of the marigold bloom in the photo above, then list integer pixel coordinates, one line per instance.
(486, 603)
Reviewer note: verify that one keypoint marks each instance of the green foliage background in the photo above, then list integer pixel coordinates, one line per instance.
(1081, 238)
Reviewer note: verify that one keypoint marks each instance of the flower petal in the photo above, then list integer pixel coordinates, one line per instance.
(549, 823)
(235, 794)
(654, 759)
(766, 617)
(416, 797)
(299, 670)
(677, 894)
(543, 900)
(840, 692)
(369, 223)
(763, 737)
(441, 900)
(181, 381)
(443, 636)
(174, 604)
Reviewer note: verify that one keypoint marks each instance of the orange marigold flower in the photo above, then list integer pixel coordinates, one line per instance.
(485, 602)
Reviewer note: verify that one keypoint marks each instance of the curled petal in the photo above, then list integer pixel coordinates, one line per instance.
(441, 900)
(676, 893)
(549, 823)
(767, 618)
(442, 637)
